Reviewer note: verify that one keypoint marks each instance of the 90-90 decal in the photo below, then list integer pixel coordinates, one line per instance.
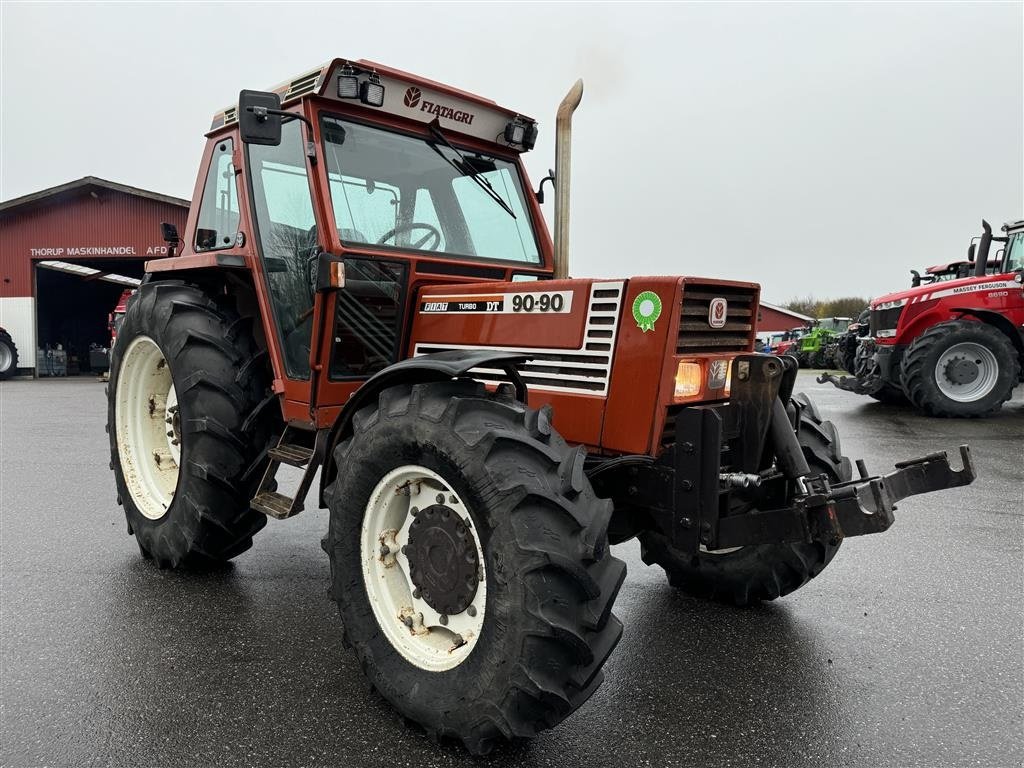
(535, 302)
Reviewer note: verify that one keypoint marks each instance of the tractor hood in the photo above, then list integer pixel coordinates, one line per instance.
(942, 289)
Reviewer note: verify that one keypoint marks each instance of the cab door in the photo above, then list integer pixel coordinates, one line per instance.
(287, 233)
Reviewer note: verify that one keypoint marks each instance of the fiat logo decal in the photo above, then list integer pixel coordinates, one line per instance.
(412, 97)
(717, 312)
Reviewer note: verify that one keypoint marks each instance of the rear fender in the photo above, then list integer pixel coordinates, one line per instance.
(1000, 322)
(441, 366)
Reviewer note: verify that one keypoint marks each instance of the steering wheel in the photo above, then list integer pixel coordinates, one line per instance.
(432, 231)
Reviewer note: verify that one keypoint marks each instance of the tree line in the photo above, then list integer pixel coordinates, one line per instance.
(848, 306)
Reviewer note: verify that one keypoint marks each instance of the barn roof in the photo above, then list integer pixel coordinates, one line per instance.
(88, 183)
(785, 311)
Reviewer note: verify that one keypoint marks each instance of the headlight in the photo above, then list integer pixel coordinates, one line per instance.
(890, 304)
(689, 377)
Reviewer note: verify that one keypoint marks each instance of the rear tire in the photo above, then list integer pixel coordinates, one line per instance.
(548, 577)
(764, 571)
(190, 508)
(8, 356)
(960, 368)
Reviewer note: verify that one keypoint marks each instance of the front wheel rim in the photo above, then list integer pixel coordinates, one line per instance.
(6, 358)
(147, 427)
(425, 636)
(966, 372)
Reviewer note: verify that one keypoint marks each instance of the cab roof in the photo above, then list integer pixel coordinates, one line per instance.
(416, 89)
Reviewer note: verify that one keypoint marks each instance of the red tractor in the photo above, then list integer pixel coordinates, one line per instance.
(366, 287)
(8, 355)
(951, 347)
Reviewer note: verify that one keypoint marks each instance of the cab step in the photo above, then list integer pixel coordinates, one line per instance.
(273, 504)
(293, 455)
(301, 447)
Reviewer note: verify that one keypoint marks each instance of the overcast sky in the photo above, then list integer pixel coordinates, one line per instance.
(814, 148)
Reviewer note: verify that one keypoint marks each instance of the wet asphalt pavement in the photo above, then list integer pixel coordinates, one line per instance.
(907, 650)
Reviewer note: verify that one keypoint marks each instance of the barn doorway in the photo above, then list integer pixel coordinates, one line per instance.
(74, 301)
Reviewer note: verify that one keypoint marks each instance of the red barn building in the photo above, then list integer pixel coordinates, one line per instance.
(67, 253)
(773, 319)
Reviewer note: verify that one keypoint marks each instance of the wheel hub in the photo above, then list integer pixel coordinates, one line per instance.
(443, 559)
(962, 371)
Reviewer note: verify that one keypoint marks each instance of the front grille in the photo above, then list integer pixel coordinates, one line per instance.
(884, 319)
(695, 331)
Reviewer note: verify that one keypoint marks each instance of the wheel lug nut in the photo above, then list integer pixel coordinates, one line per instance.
(416, 593)
(407, 621)
(385, 550)
(452, 499)
(468, 522)
(414, 511)
(471, 610)
(443, 619)
(440, 498)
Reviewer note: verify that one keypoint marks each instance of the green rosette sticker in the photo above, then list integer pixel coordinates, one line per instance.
(646, 310)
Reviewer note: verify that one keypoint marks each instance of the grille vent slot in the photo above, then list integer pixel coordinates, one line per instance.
(584, 370)
(695, 332)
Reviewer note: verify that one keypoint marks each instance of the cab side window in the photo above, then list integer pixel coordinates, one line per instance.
(218, 211)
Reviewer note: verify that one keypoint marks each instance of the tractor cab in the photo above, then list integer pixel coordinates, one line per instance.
(361, 176)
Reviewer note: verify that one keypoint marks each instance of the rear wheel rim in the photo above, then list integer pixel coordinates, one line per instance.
(422, 634)
(6, 358)
(966, 372)
(146, 424)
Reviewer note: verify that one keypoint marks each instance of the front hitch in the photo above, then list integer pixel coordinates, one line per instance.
(855, 508)
(869, 379)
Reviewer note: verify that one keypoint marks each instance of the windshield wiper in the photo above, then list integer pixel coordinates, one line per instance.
(465, 168)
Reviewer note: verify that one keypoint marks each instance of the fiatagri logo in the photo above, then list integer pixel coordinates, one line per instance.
(414, 98)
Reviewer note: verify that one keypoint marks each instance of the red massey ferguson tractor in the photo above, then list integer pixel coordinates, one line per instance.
(365, 287)
(951, 347)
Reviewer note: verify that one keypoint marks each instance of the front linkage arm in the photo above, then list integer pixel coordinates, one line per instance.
(686, 495)
(854, 508)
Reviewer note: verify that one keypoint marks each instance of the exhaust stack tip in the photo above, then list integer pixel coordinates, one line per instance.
(563, 172)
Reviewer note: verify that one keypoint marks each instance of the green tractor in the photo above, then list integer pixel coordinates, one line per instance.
(816, 348)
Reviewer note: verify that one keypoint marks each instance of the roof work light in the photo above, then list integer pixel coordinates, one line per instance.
(372, 92)
(348, 83)
(522, 133)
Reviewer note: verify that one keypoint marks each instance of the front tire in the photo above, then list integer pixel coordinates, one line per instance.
(765, 571)
(187, 430)
(8, 356)
(495, 473)
(960, 368)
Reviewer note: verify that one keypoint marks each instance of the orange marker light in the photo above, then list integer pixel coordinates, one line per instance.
(689, 377)
(337, 274)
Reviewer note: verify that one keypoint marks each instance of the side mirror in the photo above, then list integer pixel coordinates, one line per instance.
(169, 232)
(259, 117)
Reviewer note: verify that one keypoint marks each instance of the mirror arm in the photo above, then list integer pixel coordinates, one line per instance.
(539, 194)
(263, 112)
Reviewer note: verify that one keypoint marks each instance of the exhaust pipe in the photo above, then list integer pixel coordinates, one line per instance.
(563, 163)
(981, 258)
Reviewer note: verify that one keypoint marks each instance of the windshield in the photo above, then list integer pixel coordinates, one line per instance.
(1015, 252)
(398, 191)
